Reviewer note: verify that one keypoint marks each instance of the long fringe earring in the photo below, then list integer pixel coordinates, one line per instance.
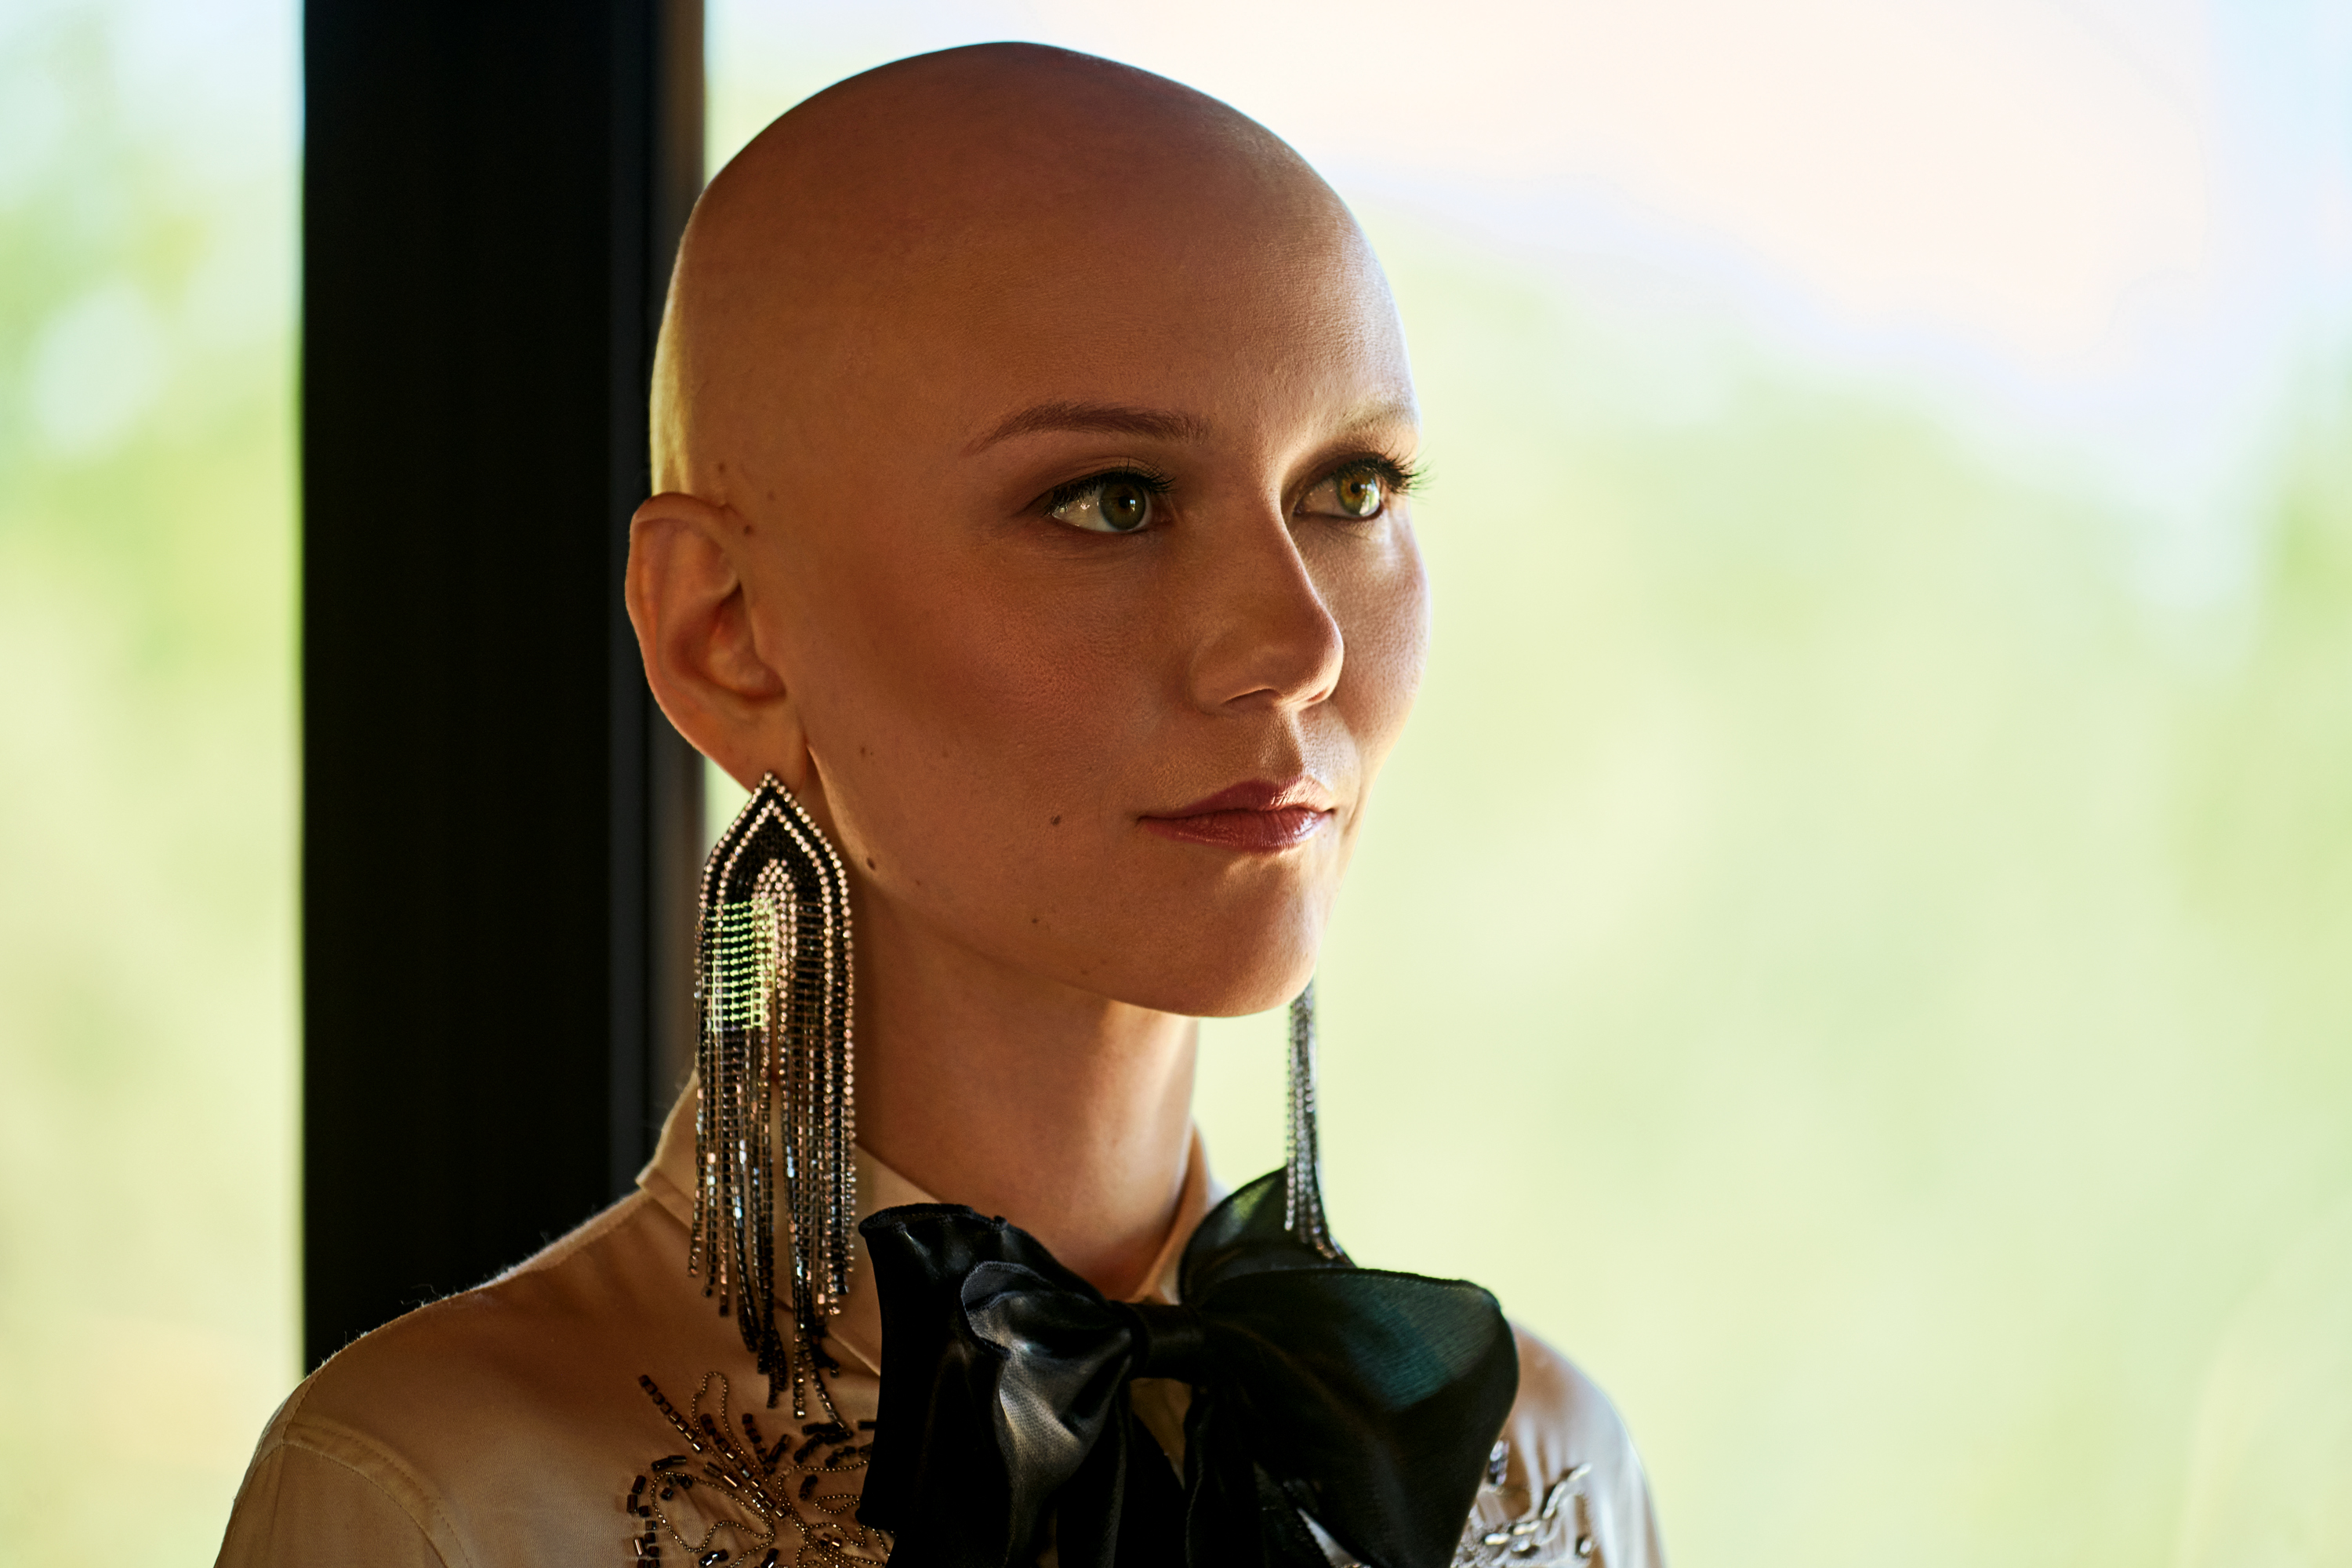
(1302, 1166)
(772, 988)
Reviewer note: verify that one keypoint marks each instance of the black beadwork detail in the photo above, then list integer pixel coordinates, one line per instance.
(762, 1486)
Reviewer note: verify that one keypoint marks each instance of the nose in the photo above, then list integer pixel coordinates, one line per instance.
(1267, 636)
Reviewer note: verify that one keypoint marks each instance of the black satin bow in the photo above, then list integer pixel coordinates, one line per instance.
(1366, 1399)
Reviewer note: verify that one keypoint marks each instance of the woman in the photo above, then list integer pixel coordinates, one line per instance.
(1032, 437)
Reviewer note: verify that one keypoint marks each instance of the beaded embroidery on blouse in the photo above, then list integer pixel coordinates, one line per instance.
(1555, 1532)
(776, 1489)
(753, 1492)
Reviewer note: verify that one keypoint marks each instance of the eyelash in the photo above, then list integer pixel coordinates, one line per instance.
(1151, 484)
(1396, 478)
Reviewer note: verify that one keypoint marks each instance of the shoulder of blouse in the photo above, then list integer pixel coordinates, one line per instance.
(1568, 1475)
(319, 1493)
(463, 1412)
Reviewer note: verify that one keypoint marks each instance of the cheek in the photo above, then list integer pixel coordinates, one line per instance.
(957, 717)
(1381, 603)
(1012, 689)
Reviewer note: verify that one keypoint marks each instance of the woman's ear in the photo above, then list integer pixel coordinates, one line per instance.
(686, 600)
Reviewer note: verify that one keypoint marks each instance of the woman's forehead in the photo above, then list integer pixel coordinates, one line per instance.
(972, 235)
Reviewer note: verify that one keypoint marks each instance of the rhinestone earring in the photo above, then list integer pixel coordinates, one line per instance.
(773, 990)
(1302, 1166)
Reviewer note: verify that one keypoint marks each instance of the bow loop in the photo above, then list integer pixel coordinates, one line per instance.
(1366, 1399)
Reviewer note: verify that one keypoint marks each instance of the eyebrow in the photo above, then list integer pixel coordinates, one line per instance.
(1164, 425)
(1105, 418)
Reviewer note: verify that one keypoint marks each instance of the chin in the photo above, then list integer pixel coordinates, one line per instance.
(1229, 968)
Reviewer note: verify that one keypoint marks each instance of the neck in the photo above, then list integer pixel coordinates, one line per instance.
(1065, 1113)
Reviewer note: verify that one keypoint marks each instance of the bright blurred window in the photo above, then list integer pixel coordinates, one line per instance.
(1853, 946)
(148, 174)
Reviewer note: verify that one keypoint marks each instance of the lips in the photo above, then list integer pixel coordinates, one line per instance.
(1257, 816)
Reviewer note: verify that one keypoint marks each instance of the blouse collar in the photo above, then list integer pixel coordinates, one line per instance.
(668, 1180)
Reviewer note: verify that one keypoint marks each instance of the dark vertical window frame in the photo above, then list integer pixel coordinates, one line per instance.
(501, 831)
(655, 155)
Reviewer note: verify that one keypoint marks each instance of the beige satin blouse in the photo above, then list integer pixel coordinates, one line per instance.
(509, 1426)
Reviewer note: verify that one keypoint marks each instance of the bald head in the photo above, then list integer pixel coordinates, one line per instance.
(937, 206)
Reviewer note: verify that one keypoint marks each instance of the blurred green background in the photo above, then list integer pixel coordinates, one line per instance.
(148, 779)
(1856, 946)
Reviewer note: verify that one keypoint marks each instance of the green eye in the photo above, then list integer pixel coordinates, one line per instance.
(1118, 504)
(1125, 505)
(1359, 494)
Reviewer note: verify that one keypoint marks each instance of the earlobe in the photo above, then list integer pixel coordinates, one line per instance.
(689, 601)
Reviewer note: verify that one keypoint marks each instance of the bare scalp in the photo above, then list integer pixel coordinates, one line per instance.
(931, 205)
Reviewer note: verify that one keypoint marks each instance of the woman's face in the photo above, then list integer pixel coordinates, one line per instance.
(1094, 590)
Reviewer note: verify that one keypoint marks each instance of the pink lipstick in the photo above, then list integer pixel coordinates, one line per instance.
(1255, 816)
